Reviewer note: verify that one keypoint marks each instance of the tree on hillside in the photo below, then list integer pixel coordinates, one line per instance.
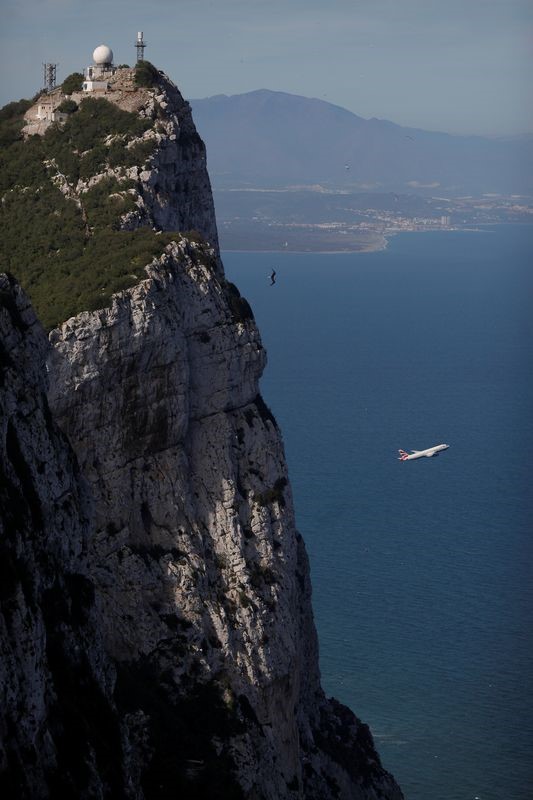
(146, 74)
(73, 83)
(68, 107)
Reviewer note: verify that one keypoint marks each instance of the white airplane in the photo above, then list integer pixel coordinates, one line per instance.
(431, 451)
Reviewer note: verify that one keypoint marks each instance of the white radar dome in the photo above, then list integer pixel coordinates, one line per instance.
(103, 55)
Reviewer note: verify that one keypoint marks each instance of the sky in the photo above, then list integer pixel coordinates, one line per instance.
(461, 66)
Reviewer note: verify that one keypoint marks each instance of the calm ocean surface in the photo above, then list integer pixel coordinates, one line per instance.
(422, 571)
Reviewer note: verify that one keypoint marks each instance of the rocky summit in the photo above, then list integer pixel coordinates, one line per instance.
(156, 629)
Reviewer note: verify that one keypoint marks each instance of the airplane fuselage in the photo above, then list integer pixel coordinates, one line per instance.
(429, 453)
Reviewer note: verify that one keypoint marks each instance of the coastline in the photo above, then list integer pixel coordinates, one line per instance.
(378, 247)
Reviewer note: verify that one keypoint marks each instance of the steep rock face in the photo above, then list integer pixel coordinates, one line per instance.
(207, 674)
(172, 189)
(203, 580)
(59, 730)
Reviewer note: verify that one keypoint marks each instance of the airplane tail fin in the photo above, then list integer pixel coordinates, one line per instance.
(403, 455)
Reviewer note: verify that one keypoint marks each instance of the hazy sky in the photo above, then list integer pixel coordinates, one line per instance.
(462, 66)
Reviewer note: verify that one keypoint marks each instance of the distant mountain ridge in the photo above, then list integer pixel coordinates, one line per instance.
(272, 139)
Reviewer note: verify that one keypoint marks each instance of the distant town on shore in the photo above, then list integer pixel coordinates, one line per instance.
(318, 220)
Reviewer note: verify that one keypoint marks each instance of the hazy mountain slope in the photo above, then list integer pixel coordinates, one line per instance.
(266, 138)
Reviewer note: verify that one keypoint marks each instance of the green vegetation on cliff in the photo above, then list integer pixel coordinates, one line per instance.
(146, 74)
(68, 106)
(65, 247)
(10, 121)
(72, 83)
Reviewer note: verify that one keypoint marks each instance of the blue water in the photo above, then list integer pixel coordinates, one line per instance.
(422, 571)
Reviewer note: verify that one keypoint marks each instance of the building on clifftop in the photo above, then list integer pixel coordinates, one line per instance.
(97, 75)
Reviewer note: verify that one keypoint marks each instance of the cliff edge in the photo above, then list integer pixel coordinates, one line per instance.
(199, 582)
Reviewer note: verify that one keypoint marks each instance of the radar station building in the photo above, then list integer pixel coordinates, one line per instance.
(96, 76)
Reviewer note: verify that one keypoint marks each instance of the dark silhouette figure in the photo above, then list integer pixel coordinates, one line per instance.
(273, 277)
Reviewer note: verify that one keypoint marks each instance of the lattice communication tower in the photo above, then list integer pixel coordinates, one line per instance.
(49, 75)
(140, 44)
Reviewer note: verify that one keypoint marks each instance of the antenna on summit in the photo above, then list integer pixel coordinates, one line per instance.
(140, 44)
(49, 75)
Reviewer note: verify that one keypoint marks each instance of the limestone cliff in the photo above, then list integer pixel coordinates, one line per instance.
(202, 598)
(60, 731)
(168, 181)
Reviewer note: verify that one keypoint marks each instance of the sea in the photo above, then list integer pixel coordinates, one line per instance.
(422, 571)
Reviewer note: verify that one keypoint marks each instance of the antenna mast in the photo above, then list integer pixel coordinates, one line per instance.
(49, 75)
(140, 44)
